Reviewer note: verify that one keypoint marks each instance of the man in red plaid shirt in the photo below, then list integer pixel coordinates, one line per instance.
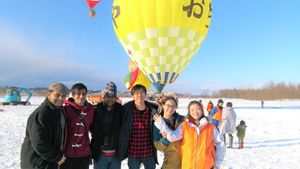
(136, 141)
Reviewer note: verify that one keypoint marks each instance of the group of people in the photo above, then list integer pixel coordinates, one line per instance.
(70, 133)
(224, 118)
(188, 142)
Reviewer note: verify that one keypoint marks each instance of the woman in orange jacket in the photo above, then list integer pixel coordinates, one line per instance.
(202, 145)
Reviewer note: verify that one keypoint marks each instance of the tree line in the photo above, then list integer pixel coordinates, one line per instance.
(270, 91)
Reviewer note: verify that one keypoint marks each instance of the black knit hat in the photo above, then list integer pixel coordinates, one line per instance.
(242, 122)
(110, 89)
(220, 101)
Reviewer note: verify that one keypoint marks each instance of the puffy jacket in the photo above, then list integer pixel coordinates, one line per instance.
(202, 146)
(198, 151)
(77, 143)
(43, 142)
(216, 115)
(125, 132)
(228, 121)
(241, 130)
(171, 150)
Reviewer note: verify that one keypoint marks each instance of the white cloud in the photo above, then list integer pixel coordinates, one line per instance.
(23, 63)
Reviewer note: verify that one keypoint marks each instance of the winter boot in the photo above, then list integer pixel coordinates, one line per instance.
(230, 141)
(242, 145)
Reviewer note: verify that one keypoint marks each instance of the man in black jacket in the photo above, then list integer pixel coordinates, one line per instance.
(136, 140)
(106, 130)
(44, 137)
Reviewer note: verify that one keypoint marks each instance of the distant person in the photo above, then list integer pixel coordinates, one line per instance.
(241, 130)
(262, 103)
(228, 123)
(160, 101)
(171, 150)
(44, 137)
(209, 106)
(106, 130)
(202, 145)
(215, 115)
(200, 101)
(136, 136)
(79, 116)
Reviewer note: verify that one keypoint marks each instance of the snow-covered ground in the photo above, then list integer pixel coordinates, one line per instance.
(272, 138)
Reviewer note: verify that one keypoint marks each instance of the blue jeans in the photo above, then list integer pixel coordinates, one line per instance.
(134, 163)
(107, 162)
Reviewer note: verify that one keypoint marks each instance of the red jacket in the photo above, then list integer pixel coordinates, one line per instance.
(77, 142)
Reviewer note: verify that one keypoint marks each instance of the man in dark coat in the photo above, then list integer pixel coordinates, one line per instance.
(136, 140)
(44, 137)
(106, 130)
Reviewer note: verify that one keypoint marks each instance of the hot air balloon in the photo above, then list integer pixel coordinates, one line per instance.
(92, 4)
(136, 76)
(161, 36)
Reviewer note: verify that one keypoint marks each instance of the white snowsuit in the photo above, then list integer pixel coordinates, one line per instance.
(228, 121)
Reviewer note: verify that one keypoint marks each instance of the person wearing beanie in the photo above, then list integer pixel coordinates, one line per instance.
(79, 117)
(241, 130)
(136, 136)
(220, 101)
(110, 89)
(43, 143)
(215, 115)
(106, 130)
(202, 145)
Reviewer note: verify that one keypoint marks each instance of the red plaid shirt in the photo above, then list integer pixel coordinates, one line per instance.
(140, 144)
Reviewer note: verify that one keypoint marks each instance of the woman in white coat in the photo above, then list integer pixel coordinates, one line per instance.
(228, 123)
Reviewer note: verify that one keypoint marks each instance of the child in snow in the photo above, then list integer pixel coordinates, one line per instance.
(241, 129)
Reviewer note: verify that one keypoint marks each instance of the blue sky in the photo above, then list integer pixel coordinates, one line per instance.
(249, 44)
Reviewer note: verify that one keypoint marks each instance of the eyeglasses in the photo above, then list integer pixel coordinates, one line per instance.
(170, 106)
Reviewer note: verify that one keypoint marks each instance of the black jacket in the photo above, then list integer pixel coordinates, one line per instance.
(127, 126)
(103, 125)
(43, 142)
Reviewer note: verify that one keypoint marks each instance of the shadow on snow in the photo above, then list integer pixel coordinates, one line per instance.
(273, 143)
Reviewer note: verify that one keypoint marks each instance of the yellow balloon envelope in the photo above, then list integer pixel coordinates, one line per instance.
(161, 36)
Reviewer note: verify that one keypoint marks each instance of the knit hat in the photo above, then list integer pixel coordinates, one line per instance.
(220, 101)
(110, 89)
(242, 122)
